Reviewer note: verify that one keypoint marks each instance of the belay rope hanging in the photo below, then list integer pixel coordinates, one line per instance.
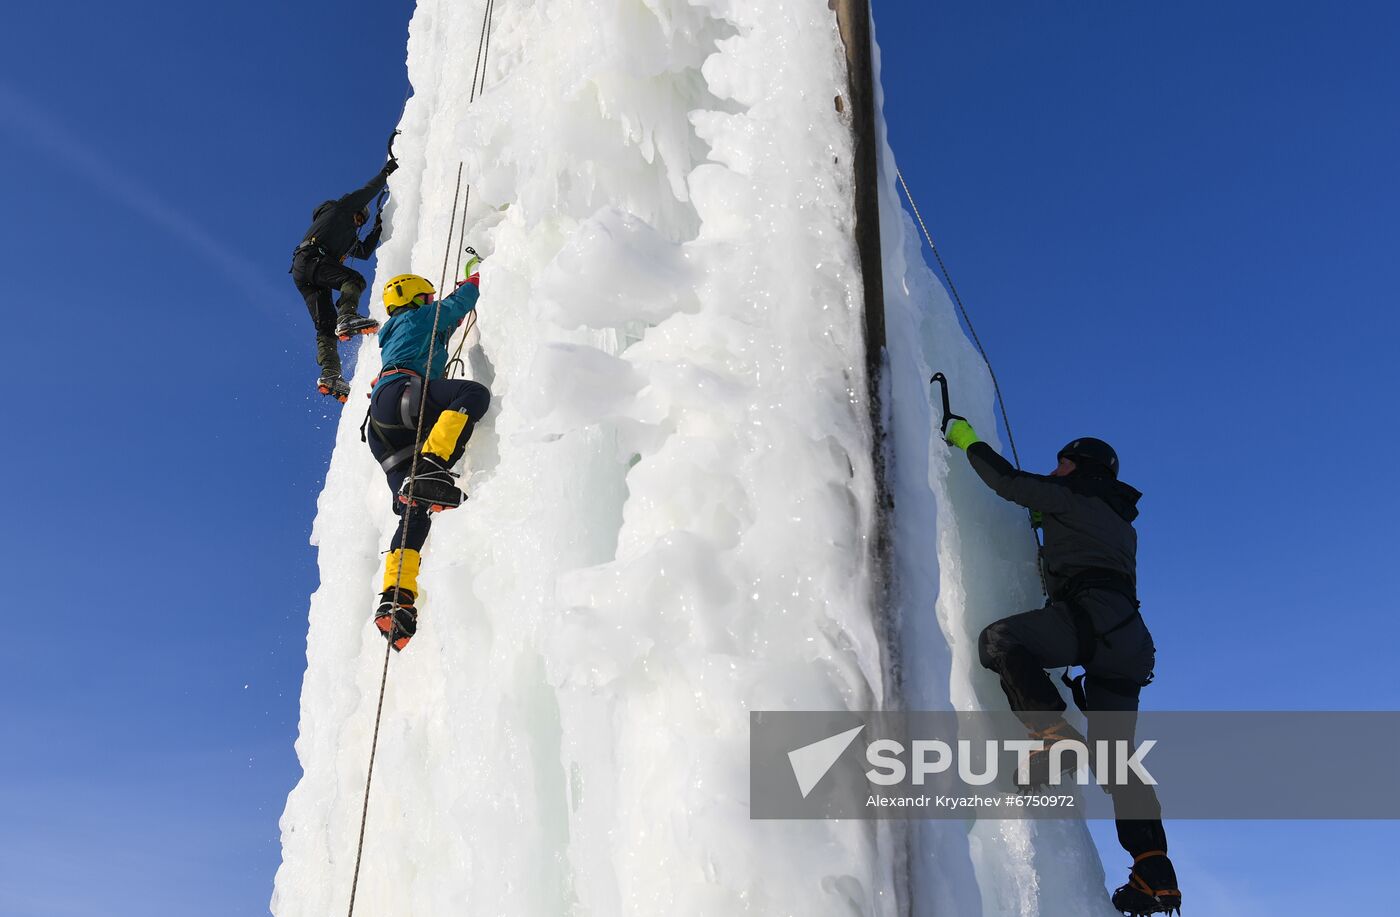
(996, 386)
(967, 320)
(482, 52)
(483, 56)
(398, 576)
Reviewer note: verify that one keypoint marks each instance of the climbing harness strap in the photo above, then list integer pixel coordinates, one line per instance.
(1087, 638)
(410, 402)
(1094, 578)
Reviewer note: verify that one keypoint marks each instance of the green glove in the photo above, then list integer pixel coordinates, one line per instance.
(961, 434)
(1037, 519)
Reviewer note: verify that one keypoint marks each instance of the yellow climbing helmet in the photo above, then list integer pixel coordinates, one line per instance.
(403, 289)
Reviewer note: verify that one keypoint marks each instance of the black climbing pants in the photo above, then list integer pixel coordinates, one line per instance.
(317, 278)
(392, 436)
(1020, 648)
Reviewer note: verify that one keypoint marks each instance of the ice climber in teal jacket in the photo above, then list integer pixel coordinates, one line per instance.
(418, 460)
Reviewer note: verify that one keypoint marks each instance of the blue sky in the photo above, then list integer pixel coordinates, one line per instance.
(1175, 228)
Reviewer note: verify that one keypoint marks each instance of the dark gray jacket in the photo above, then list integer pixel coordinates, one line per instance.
(333, 224)
(1088, 520)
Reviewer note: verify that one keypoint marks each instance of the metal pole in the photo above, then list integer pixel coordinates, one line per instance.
(853, 19)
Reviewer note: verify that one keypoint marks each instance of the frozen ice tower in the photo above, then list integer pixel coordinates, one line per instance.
(672, 498)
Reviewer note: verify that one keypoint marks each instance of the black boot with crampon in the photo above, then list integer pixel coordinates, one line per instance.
(354, 324)
(1151, 888)
(333, 386)
(1039, 761)
(396, 617)
(432, 485)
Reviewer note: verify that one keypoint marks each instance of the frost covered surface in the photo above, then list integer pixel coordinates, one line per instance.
(671, 497)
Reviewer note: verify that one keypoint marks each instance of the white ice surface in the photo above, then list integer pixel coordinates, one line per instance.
(671, 499)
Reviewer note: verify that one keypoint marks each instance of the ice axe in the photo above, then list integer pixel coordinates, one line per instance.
(384, 192)
(948, 415)
(1031, 515)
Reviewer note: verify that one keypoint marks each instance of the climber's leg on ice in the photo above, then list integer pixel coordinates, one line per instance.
(1112, 702)
(454, 396)
(1019, 649)
(397, 617)
(454, 406)
(323, 316)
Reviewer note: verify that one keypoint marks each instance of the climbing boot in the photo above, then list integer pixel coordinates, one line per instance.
(396, 617)
(327, 352)
(332, 385)
(350, 325)
(432, 485)
(1039, 761)
(1151, 888)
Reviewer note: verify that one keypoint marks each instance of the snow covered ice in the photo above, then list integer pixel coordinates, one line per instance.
(671, 499)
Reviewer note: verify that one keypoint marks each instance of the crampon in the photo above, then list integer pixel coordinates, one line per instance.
(396, 618)
(433, 486)
(356, 324)
(1039, 761)
(334, 387)
(1151, 887)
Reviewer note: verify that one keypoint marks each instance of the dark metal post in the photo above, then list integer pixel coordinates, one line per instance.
(853, 18)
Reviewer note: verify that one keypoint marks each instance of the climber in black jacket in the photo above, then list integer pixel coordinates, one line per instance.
(1092, 619)
(318, 271)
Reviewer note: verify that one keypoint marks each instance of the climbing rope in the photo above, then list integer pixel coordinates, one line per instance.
(373, 747)
(1001, 402)
(483, 49)
(483, 57)
(447, 252)
(398, 575)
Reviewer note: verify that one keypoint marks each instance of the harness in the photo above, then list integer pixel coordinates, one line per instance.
(410, 400)
(317, 250)
(312, 247)
(1088, 639)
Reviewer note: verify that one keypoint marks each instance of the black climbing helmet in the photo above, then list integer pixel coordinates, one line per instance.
(1089, 449)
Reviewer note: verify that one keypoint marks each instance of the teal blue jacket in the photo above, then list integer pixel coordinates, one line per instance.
(404, 339)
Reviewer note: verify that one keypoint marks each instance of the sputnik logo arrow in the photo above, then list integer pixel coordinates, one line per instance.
(811, 762)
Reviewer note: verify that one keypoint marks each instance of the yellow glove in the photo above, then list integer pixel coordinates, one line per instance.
(961, 434)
